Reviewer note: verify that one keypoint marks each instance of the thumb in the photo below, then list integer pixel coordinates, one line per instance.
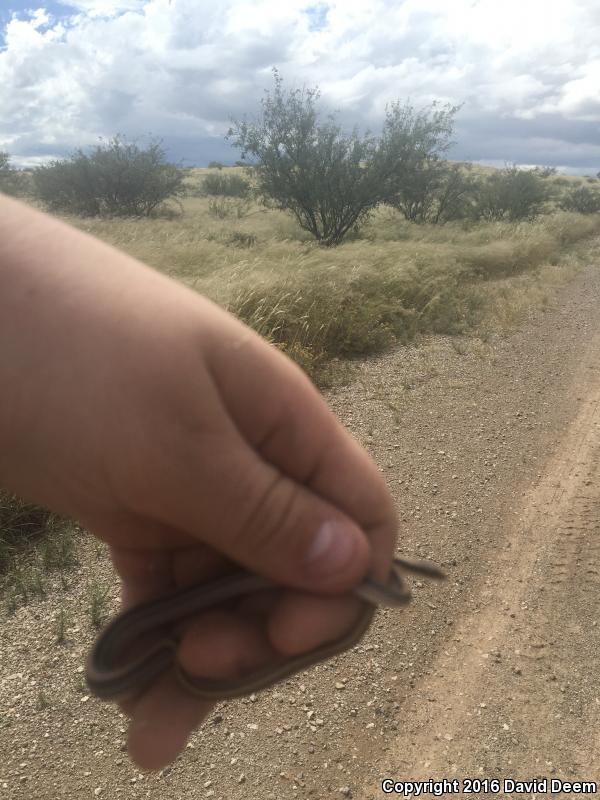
(281, 529)
(267, 522)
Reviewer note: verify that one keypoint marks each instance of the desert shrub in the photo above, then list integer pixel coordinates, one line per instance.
(511, 194)
(544, 172)
(581, 200)
(117, 179)
(12, 181)
(569, 227)
(436, 192)
(329, 181)
(224, 185)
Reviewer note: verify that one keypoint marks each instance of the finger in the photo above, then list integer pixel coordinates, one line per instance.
(162, 720)
(259, 518)
(220, 644)
(300, 622)
(283, 527)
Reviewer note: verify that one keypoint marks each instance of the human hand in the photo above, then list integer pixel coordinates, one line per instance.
(190, 445)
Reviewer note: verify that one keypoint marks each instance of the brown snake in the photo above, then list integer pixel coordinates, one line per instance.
(110, 679)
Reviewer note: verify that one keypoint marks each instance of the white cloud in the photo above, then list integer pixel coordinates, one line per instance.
(527, 72)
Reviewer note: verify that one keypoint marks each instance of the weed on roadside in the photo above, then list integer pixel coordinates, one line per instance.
(98, 596)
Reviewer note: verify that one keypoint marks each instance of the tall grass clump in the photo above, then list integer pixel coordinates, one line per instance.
(33, 541)
(21, 524)
(354, 316)
(422, 285)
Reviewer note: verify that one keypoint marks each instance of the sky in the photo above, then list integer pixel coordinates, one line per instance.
(526, 72)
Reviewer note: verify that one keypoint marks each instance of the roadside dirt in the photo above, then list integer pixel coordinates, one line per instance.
(491, 451)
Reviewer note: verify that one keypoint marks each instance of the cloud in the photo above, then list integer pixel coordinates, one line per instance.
(527, 73)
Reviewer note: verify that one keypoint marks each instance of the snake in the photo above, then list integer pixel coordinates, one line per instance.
(111, 676)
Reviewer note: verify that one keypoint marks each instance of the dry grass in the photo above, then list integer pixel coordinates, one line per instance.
(386, 284)
(33, 542)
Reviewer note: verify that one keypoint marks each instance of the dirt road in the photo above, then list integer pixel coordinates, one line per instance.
(515, 691)
(491, 450)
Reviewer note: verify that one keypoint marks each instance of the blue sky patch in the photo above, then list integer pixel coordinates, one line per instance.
(317, 16)
(24, 8)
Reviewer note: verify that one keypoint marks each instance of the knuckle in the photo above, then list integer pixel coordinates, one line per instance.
(272, 512)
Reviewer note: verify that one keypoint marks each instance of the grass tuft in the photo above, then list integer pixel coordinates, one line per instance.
(33, 542)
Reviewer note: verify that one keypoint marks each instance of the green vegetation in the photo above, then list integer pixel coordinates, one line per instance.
(33, 543)
(582, 200)
(225, 185)
(331, 182)
(117, 179)
(511, 194)
(97, 596)
(388, 283)
(12, 181)
(62, 623)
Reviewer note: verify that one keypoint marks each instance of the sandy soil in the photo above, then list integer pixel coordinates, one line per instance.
(490, 449)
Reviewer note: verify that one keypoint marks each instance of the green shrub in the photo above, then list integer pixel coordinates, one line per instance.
(436, 192)
(215, 165)
(115, 180)
(331, 182)
(581, 200)
(12, 181)
(511, 194)
(225, 186)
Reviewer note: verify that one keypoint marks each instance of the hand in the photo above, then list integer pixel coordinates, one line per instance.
(189, 444)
